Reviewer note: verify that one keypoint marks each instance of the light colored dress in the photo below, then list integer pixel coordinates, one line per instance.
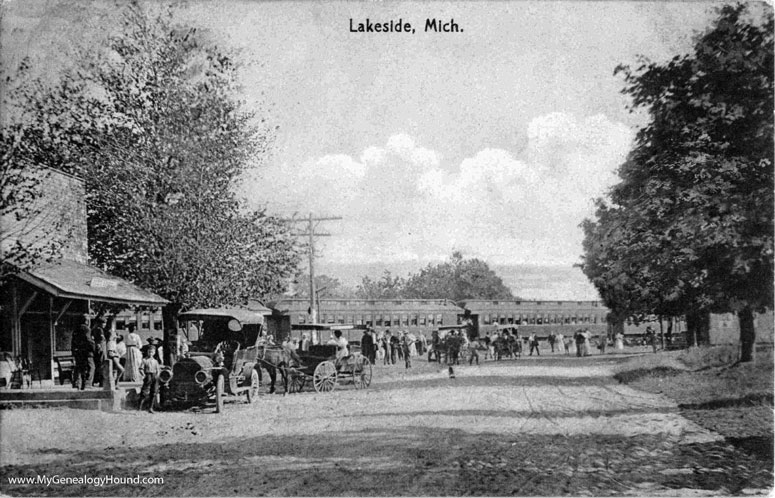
(619, 342)
(133, 358)
(571, 346)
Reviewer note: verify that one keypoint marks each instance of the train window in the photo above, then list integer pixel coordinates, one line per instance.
(539, 303)
(405, 320)
(386, 321)
(539, 321)
(378, 320)
(486, 319)
(414, 320)
(396, 320)
(157, 325)
(302, 318)
(340, 319)
(430, 320)
(331, 319)
(422, 320)
(438, 319)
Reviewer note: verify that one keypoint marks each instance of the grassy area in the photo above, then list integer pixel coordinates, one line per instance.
(714, 391)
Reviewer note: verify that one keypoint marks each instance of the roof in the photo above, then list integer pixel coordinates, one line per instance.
(72, 280)
(325, 326)
(365, 305)
(244, 316)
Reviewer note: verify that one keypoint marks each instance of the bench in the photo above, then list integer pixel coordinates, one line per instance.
(66, 367)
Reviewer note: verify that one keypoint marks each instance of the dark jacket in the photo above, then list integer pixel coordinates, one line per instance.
(82, 344)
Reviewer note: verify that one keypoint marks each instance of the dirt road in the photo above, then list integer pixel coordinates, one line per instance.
(549, 426)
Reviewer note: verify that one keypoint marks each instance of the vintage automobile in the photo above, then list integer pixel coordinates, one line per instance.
(221, 358)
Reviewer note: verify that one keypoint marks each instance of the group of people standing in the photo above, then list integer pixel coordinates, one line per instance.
(392, 347)
(98, 350)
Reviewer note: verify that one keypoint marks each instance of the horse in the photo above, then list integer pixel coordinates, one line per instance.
(273, 358)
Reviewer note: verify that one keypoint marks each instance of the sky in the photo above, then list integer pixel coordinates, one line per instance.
(493, 141)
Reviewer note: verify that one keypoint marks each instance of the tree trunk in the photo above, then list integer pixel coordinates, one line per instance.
(169, 315)
(747, 334)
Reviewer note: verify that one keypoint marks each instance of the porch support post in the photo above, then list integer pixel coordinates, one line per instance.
(16, 332)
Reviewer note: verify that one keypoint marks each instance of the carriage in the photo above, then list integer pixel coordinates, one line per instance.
(320, 366)
(508, 344)
(221, 358)
(444, 345)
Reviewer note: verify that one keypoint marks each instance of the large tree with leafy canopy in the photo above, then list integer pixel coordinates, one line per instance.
(690, 225)
(457, 279)
(153, 123)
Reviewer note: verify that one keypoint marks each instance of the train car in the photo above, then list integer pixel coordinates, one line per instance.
(420, 316)
(537, 317)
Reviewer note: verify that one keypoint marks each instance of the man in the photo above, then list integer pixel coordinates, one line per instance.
(367, 346)
(552, 340)
(82, 347)
(651, 338)
(304, 344)
(579, 338)
(534, 345)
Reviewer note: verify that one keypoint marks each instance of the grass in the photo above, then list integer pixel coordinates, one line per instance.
(713, 390)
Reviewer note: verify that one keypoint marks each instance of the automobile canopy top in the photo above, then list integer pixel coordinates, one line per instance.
(245, 317)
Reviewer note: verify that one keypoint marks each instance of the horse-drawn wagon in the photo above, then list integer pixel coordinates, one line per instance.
(322, 368)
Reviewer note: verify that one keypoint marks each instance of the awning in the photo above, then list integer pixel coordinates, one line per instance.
(72, 280)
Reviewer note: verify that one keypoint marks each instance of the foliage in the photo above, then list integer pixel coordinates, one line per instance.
(457, 279)
(326, 287)
(30, 234)
(387, 287)
(153, 126)
(690, 226)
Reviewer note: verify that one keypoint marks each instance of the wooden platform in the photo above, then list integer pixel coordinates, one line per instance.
(67, 397)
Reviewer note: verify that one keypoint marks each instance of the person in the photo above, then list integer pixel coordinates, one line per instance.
(121, 349)
(156, 343)
(289, 346)
(473, 352)
(534, 345)
(340, 343)
(367, 345)
(570, 346)
(651, 338)
(486, 340)
(133, 355)
(112, 358)
(579, 339)
(150, 369)
(560, 340)
(395, 345)
(385, 343)
(587, 342)
(434, 353)
(602, 343)
(619, 341)
(412, 344)
(304, 343)
(82, 346)
(406, 343)
(99, 350)
(552, 339)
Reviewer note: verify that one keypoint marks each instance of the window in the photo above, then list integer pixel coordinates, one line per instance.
(340, 319)
(331, 319)
(438, 319)
(120, 324)
(350, 319)
(486, 319)
(379, 320)
(396, 320)
(414, 320)
(405, 320)
(157, 325)
(302, 318)
(145, 322)
(422, 320)
(430, 319)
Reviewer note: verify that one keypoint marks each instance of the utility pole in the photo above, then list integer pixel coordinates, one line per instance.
(311, 234)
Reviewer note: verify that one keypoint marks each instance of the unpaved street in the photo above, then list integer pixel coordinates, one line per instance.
(549, 426)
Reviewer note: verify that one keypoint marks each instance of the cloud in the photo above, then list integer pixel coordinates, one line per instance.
(400, 202)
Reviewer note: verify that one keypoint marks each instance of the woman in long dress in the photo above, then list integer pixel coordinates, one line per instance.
(133, 355)
(619, 342)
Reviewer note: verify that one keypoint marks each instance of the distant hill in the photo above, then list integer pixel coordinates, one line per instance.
(526, 281)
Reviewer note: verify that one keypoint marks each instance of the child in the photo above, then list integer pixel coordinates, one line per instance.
(150, 369)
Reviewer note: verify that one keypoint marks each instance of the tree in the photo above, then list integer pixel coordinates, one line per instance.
(387, 287)
(690, 226)
(154, 127)
(29, 233)
(325, 285)
(457, 279)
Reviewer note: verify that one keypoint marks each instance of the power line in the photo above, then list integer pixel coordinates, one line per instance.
(312, 223)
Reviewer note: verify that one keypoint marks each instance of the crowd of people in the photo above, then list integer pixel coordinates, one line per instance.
(97, 350)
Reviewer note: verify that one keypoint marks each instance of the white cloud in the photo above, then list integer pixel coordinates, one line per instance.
(400, 203)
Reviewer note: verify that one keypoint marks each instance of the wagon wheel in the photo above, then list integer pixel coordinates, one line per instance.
(324, 377)
(219, 388)
(252, 392)
(296, 380)
(362, 374)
